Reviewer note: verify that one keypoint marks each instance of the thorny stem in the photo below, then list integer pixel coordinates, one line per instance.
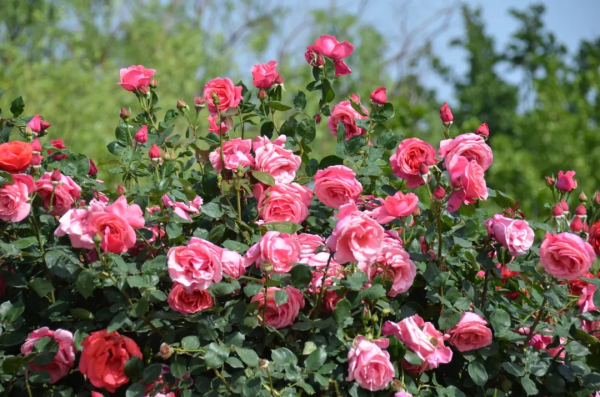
(39, 239)
(485, 289)
(537, 320)
(241, 121)
(222, 380)
(27, 382)
(323, 287)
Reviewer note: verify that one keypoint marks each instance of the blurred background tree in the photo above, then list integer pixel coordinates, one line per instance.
(63, 56)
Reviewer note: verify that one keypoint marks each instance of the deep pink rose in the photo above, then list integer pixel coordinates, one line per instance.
(278, 316)
(396, 206)
(336, 185)
(64, 360)
(65, 194)
(470, 333)
(403, 394)
(236, 152)
(565, 181)
(515, 235)
(470, 146)
(280, 249)
(409, 157)
(233, 264)
(329, 47)
(264, 75)
(58, 143)
(136, 77)
(195, 266)
(446, 113)
(331, 299)
(566, 255)
(76, 223)
(344, 113)
(586, 304)
(14, 198)
(283, 202)
(181, 209)
(189, 303)
(116, 234)
(213, 127)
(540, 342)
(36, 124)
(395, 265)
(309, 244)
(274, 159)
(378, 96)
(369, 365)
(468, 177)
(228, 94)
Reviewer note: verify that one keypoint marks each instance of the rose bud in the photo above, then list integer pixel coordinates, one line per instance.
(580, 210)
(313, 59)
(549, 181)
(93, 169)
(378, 96)
(165, 351)
(565, 181)
(125, 113)
(36, 160)
(317, 118)
(354, 98)
(564, 205)
(182, 106)
(557, 211)
(56, 175)
(36, 146)
(423, 169)
(586, 228)
(154, 83)
(439, 192)
(483, 130)
(446, 115)
(576, 224)
(199, 103)
(142, 135)
(154, 152)
(582, 197)
(261, 94)
(278, 80)
(121, 190)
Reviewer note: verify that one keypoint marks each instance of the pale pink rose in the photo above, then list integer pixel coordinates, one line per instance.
(278, 316)
(356, 237)
(236, 152)
(344, 113)
(213, 127)
(423, 339)
(189, 302)
(65, 193)
(309, 244)
(395, 265)
(468, 177)
(336, 185)
(181, 209)
(392, 238)
(566, 255)
(264, 75)
(283, 202)
(136, 77)
(228, 94)
(233, 264)
(403, 394)
(586, 304)
(470, 333)
(369, 365)
(14, 198)
(329, 47)
(195, 266)
(280, 249)
(64, 360)
(281, 163)
(396, 206)
(261, 141)
(470, 146)
(407, 160)
(515, 235)
(76, 223)
(319, 260)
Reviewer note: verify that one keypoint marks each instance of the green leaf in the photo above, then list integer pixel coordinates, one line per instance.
(41, 286)
(355, 144)
(81, 314)
(252, 387)
(556, 295)
(248, 356)
(316, 359)
(283, 356)
(134, 368)
(281, 297)
(39, 377)
(576, 349)
(300, 100)
(63, 264)
(155, 266)
(513, 368)
(10, 365)
(135, 390)
(500, 320)
(383, 113)
(307, 130)
(355, 281)
(116, 148)
(267, 128)
(478, 373)
(374, 292)
(224, 288)
(278, 106)
(152, 372)
(341, 133)
(412, 358)
(174, 230)
(17, 106)
(85, 283)
(264, 177)
(448, 319)
(117, 322)
(215, 355)
(592, 381)
(212, 209)
(341, 312)
(178, 366)
(529, 386)
(596, 297)
(282, 227)
(301, 276)
(329, 161)
(190, 342)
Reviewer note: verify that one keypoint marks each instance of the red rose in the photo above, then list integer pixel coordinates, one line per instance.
(15, 156)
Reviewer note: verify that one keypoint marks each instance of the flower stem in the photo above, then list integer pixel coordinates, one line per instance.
(323, 288)
(537, 320)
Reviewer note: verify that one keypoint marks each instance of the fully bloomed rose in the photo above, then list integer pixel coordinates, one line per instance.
(236, 152)
(283, 202)
(329, 47)
(344, 113)
(115, 225)
(213, 127)
(104, 356)
(395, 265)
(279, 249)
(470, 146)
(396, 206)
(64, 359)
(566, 255)
(369, 365)
(309, 244)
(14, 198)
(136, 78)
(181, 209)
(264, 75)
(336, 185)
(278, 316)
(76, 223)
(274, 159)
(586, 304)
(63, 196)
(468, 177)
(189, 302)
(515, 235)
(410, 155)
(228, 94)
(195, 266)
(233, 264)
(594, 238)
(58, 143)
(540, 341)
(15, 156)
(470, 333)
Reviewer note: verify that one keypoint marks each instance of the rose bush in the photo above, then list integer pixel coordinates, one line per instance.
(231, 262)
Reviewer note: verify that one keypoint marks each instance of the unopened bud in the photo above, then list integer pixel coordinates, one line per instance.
(154, 83)
(439, 192)
(423, 169)
(144, 90)
(576, 224)
(261, 94)
(228, 122)
(446, 115)
(154, 152)
(313, 59)
(385, 312)
(121, 190)
(580, 210)
(182, 106)
(165, 351)
(29, 132)
(36, 160)
(125, 113)
(582, 197)
(199, 103)
(56, 175)
(374, 318)
(483, 130)
(557, 211)
(317, 118)
(550, 182)
(278, 80)
(36, 146)
(263, 364)
(93, 169)
(564, 205)
(266, 267)
(586, 228)
(142, 135)
(97, 239)
(215, 98)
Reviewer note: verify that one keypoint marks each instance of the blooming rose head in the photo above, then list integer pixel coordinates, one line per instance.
(229, 96)
(309, 244)
(183, 210)
(586, 304)
(369, 365)
(15, 156)
(63, 195)
(278, 316)
(116, 234)
(394, 264)
(378, 96)
(264, 75)
(283, 202)
(515, 235)
(189, 303)
(594, 238)
(64, 359)
(195, 266)
(274, 159)
(329, 47)
(233, 264)
(565, 181)
(104, 356)
(470, 333)
(470, 146)
(14, 198)
(409, 157)
(344, 113)
(577, 285)
(336, 185)
(396, 206)
(76, 223)
(136, 78)
(278, 249)
(468, 177)
(566, 255)
(236, 152)
(58, 143)
(213, 127)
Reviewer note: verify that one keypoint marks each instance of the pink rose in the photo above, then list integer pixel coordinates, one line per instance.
(586, 304)
(446, 113)
(395, 265)
(136, 78)
(282, 203)
(36, 124)
(65, 193)
(369, 365)
(356, 237)
(423, 339)
(329, 47)
(58, 143)
(116, 234)
(14, 198)
(195, 266)
(114, 224)
(76, 223)
(213, 127)
(64, 359)
(378, 96)
(274, 159)
(233, 264)
(189, 303)
(410, 155)
(403, 394)
(309, 244)
(261, 141)
(181, 209)
(470, 146)
(236, 152)
(336, 185)
(264, 75)
(228, 94)
(565, 181)
(515, 235)
(319, 263)
(331, 299)
(344, 113)
(470, 333)
(469, 178)
(278, 316)
(566, 255)
(280, 249)
(396, 206)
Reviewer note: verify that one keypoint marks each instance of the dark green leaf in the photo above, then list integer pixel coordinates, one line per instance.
(301, 276)
(134, 368)
(283, 356)
(264, 177)
(282, 227)
(41, 286)
(316, 359)
(135, 390)
(248, 356)
(85, 283)
(300, 101)
(278, 106)
(281, 297)
(478, 373)
(17, 106)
